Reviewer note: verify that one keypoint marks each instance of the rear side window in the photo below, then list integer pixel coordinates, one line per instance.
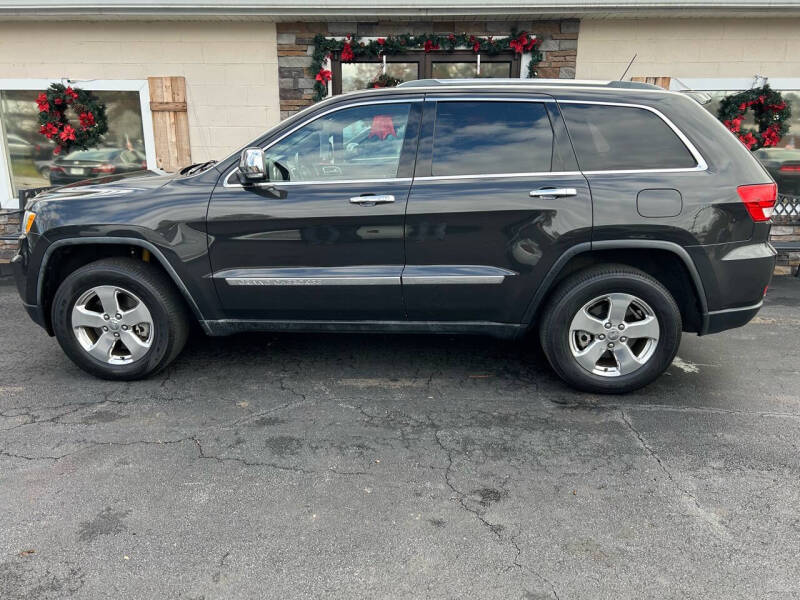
(484, 138)
(618, 138)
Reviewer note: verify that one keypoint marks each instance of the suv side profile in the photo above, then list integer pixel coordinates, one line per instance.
(609, 216)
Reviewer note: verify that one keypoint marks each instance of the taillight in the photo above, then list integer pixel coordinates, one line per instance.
(103, 169)
(759, 200)
(56, 169)
(144, 165)
(790, 168)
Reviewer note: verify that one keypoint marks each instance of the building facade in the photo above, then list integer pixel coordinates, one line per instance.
(189, 83)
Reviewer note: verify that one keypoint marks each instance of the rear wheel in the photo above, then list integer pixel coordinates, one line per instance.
(611, 329)
(119, 318)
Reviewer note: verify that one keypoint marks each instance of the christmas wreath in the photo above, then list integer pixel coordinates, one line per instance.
(72, 117)
(384, 80)
(351, 47)
(771, 114)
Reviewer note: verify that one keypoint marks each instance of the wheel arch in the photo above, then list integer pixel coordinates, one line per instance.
(118, 245)
(641, 254)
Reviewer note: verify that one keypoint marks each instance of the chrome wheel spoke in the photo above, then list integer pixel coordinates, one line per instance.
(101, 349)
(108, 298)
(135, 345)
(646, 328)
(82, 317)
(138, 314)
(583, 321)
(627, 362)
(618, 307)
(588, 357)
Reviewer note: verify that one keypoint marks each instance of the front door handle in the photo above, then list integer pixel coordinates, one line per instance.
(553, 192)
(383, 199)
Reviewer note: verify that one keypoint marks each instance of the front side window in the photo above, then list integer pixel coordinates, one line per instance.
(619, 138)
(484, 138)
(362, 142)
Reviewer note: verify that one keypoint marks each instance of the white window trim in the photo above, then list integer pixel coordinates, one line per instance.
(7, 199)
(712, 84)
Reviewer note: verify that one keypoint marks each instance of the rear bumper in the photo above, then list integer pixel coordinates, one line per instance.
(735, 278)
(730, 318)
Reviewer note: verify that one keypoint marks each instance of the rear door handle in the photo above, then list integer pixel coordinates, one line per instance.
(383, 199)
(553, 192)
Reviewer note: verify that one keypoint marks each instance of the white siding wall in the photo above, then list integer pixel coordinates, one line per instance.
(698, 47)
(231, 69)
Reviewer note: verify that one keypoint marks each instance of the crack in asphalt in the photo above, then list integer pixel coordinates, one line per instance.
(652, 453)
(710, 517)
(495, 529)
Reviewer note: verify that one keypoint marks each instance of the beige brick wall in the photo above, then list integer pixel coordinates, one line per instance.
(231, 69)
(689, 48)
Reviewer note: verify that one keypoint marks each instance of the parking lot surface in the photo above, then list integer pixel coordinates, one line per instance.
(355, 466)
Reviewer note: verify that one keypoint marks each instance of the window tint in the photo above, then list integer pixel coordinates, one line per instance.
(477, 138)
(363, 142)
(619, 138)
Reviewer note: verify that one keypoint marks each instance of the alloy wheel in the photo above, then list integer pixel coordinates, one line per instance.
(614, 335)
(112, 324)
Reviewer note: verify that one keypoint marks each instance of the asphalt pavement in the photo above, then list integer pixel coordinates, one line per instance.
(376, 466)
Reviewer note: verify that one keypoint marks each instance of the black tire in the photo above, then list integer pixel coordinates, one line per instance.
(156, 291)
(578, 290)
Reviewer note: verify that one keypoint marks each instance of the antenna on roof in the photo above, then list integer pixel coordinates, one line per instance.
(628, 67)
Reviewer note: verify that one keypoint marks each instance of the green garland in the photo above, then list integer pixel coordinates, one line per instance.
(770, 112)
(352, 48)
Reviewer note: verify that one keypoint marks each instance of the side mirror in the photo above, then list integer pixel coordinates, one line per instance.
(253, 165)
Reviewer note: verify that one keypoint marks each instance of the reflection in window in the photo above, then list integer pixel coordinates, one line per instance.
(362, 142)
(476, 138)
(30, 154)
(608, 138)
(782, 161)
(357, 76)
(466, 70)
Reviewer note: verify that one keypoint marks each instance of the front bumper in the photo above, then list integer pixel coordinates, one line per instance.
(20, 266)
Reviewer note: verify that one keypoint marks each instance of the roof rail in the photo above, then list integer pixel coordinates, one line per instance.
(490, 82)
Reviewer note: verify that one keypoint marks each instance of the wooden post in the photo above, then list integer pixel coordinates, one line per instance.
(170, 122)
(662, 82)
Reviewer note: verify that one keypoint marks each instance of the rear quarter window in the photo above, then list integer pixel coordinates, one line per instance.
(618, 138)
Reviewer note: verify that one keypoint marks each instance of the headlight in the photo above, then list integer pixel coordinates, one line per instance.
(27, 220)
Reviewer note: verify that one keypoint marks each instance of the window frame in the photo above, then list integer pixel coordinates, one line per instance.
(7, 198)
(425, 62)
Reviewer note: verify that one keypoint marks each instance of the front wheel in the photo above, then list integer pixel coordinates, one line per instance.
(611, 329)
(119, 318)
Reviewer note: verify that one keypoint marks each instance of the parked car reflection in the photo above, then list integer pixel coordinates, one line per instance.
(18, 147)
(784, 166)
(86, 164)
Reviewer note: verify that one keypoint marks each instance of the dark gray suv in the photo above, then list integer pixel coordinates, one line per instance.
(610, 217)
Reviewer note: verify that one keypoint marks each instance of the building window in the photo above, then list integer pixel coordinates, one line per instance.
(783, 160)
(461, 64)
(27, 159)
